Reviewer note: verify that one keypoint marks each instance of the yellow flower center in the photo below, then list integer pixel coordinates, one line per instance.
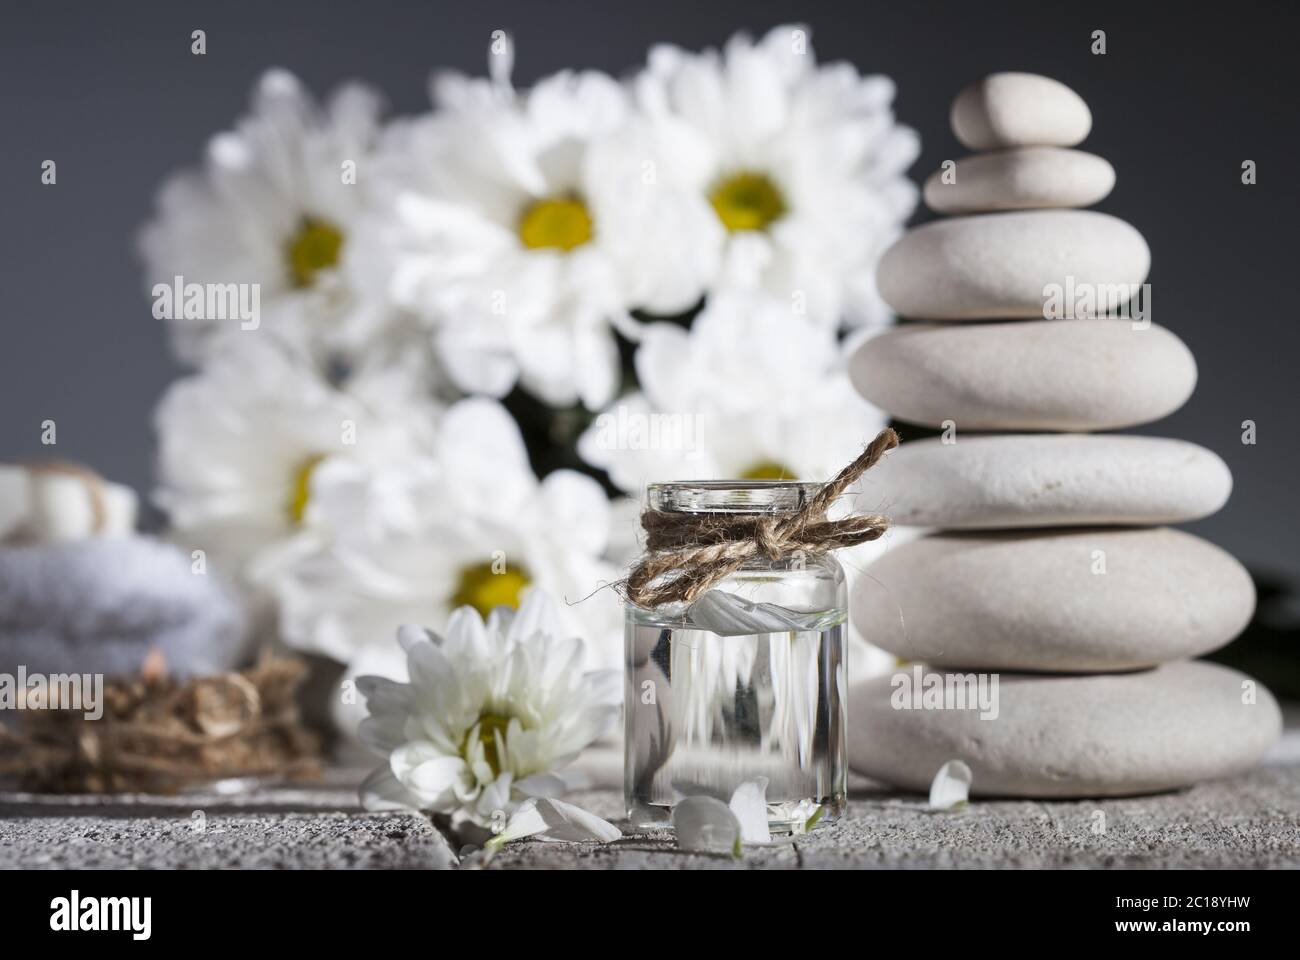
(313, 248)
(559, 223)
(487, 727)
(300, 490)
(747, 201)
(768, 470)
(485, 586)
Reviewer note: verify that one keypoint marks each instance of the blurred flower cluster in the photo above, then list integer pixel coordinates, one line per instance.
(476, 331)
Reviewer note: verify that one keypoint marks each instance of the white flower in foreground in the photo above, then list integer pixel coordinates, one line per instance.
(951, 786)
(802, 164)
(254, 446)
(491, 713)
(520, 225)
(274, 205)
(749, 392)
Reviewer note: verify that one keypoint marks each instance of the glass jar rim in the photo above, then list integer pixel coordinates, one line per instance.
(731, 496)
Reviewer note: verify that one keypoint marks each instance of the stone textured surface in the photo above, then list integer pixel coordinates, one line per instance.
(282, 828)
(1027, 179)
(1250, 822)
(1035, 601)
(1028, 480)
(999, 265)
(1038, 375)
(1017, 110)
(1061, 736)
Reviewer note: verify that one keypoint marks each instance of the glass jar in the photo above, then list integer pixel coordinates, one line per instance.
(746, 683)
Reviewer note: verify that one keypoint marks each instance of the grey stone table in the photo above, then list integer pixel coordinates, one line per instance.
(1249, 822)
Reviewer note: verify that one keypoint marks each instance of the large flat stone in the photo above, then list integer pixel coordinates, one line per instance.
(1073, 600)
(1059, 736)
(1073, 375)
(1004, 265)
(1027, 480)
(1032, 178)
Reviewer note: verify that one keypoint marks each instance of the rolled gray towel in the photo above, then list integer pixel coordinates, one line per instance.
(100, 605)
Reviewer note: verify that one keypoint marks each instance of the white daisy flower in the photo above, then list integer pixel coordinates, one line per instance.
(802, 166)
(274, 206)
(476, 528)
(520, 225)
(747, 392)
(251, 448)
(491, 713)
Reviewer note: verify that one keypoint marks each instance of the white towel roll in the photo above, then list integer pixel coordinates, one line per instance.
(102, 605)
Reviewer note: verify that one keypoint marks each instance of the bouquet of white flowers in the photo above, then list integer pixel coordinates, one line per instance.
(435, 353)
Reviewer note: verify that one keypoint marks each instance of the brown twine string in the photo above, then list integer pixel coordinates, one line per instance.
(695, 551)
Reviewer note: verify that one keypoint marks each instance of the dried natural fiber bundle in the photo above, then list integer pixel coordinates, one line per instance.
(158, 734)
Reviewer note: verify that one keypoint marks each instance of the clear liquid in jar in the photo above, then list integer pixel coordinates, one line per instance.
(705, 713)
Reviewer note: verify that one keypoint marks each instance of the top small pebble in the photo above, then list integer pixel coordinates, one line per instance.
(1019, 110)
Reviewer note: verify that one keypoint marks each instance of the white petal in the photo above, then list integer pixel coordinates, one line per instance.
(382, 735)
(483, 452)
(538, 618)
(408, 635)
(410, 755)
(550, 819)
(951, 786)
(435, 776)
(467, 638)
(749, 805)
(384, 695)
(429, 667)
(659, 364)
(478, 363)
(497, 795)
(575, 505)
(706, 824)
(381, 791)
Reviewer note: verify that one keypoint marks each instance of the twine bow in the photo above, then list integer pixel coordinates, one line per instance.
(695, 551)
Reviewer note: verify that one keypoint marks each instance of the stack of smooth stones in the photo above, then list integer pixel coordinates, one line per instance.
(1050, 566)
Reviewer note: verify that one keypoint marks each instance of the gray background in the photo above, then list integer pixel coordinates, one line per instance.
(113, 94)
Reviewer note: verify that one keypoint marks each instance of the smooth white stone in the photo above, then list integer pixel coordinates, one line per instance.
(1019, 110)
(1003, 265)
(1030, 178)
(1043, 375)
(1054, 736)
(1027, 480)
(1069, 600)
